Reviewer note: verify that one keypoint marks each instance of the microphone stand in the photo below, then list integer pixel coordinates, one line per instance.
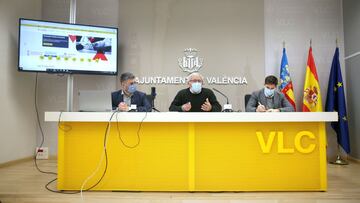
(227, 106)
(153, 104)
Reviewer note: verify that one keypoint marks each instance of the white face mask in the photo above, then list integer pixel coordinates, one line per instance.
(269, 92)
(195, 87)
(131, 89)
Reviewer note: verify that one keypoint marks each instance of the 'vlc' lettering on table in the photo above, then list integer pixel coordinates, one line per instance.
(266, 145)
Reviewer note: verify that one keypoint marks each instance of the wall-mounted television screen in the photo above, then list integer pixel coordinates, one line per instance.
(55, 47)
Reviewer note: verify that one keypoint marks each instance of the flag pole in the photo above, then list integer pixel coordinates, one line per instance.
(339, 160)
(284, 44)
(337, 44)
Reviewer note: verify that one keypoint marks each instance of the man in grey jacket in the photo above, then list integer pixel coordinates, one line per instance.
(268, 99)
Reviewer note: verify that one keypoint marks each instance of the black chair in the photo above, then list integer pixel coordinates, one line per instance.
(247, 98)
(150, 98)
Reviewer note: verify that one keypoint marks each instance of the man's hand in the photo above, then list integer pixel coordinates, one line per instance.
(186, 107)
(273, 110)
(260, 108)
(123, 107)
(206, 106)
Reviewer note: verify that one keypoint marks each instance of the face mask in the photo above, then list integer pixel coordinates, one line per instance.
(196, 87)
(132, 89)
(269, 92)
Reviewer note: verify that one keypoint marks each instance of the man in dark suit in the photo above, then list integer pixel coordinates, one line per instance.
(268, 99)
(128, 96)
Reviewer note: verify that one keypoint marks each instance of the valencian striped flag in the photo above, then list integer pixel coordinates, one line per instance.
(286, 85)
(335, 101)
(312, 96)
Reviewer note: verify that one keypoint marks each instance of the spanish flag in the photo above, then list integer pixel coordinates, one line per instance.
(312, 96)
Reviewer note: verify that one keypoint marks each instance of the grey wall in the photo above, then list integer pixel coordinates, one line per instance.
(227, 33)
(352, 44)
(153, 35)
(17, 119)
(296, 22)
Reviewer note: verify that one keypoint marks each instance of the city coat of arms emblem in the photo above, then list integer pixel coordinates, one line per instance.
(190, 62)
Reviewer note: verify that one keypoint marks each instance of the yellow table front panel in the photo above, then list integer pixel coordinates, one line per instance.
(194, 156)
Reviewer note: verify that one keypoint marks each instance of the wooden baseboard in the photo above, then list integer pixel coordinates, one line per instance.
(13, 162)
(350, 158)
(53, 157)
(17, 161)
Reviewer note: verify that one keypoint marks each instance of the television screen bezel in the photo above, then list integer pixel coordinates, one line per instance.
(66, 70)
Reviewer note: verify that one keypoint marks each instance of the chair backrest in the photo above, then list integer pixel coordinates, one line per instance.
(247, 98)
(150, 98)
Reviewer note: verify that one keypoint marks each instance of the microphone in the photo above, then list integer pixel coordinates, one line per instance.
(153, 95)
(227, 106)
(153, 92)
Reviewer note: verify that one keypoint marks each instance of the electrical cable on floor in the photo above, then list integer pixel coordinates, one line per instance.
(104, 155)
(59, 191)
(42, 142)
(51, 181)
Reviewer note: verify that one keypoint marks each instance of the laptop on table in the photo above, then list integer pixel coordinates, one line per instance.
(95, 101)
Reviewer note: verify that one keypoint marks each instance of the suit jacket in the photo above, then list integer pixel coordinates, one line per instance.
(280, 102)
(138, 98)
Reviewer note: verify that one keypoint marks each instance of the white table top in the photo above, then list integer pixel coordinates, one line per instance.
(191, 117)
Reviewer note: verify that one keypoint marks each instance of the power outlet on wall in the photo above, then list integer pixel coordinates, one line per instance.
(42, 153)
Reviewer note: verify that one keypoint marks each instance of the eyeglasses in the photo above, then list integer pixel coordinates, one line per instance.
(196, 81)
